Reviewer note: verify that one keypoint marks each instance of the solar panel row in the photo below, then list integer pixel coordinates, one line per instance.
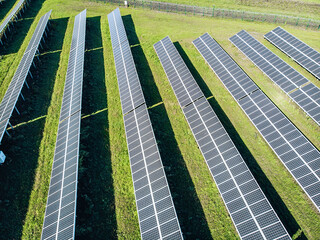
(116, 26)
(298, 155)
(177, 73)
(131, 95)
(296, 49)
(156, 211)
(252, 214)
(72, 95)
(12, 94)
(12, 16)
(281, 73)
(59, 219)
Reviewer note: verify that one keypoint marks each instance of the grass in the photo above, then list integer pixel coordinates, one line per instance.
(106, 205)
(297, 8)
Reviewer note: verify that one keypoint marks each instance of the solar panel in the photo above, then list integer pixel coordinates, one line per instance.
(156, 211)
(300, 52)
(3, 127)
(117, 30)
(12, 16)
(59, 219)
(12, 94)
(252, 214)
(131, 95)
(281, 73)
(177, 72)
(295, 151)
(72, 96)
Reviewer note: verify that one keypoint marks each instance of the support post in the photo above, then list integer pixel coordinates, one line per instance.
(10, 126)
(17, 110)
(8, 133)
(26, 84)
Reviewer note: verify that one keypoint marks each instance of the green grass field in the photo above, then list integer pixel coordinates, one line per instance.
(106, 205)
(298, 8)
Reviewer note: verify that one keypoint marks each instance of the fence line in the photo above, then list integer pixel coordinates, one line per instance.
(218, 12)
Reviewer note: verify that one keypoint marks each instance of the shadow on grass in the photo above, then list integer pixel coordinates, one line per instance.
(5, 7)
(96, 217)
(22, 149)
(272, 195)
(188, 207)
(19, 29)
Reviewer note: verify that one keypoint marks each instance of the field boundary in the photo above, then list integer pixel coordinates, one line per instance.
(219, 13)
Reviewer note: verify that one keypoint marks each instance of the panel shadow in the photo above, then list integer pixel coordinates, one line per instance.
(19, 29)
(190, 213)
(268, 189)
(22, 148)
(96, 218)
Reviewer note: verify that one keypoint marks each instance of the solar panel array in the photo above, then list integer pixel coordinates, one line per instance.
(59, 219)
(156, 211)
(298, 155)
(296, 86)
(252, 214)
(12, 16)
(12, 94)
(296, 49)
